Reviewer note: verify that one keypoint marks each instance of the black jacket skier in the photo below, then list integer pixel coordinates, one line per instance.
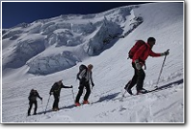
(55, 90)
(86, 81)
(33, 100)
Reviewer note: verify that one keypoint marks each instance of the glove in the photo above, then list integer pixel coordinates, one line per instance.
(41, 99)
(93, 84)
(71, 86)
(138, 65)
(165, 53)
(51, 93)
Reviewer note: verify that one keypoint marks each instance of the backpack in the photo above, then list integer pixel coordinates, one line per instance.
(33, 95)
(81, 68)
(134, 49)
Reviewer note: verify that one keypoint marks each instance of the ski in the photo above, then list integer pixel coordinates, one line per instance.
(149, 91)
(156, 89)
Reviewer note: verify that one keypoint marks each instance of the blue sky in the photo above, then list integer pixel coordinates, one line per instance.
(14, 13)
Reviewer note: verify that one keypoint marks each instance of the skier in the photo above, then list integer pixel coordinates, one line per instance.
(138, 61)
(33, 100)
(55, 91)
(85, 77)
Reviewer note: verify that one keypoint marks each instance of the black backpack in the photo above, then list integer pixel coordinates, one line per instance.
(33, 95)
(81, 68)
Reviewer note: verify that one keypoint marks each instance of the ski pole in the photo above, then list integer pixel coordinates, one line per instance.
(72, 93)
(27, 112)
(91, 88)
(90, 85)
(42, 105)
(161, 71)
(47, 104)
(126, 88)
(124, 93)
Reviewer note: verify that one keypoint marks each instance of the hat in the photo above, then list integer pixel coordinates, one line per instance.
(60, 80)
(90, 66)
(150, 39)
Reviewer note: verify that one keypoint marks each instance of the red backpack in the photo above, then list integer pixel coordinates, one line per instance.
(133, 50)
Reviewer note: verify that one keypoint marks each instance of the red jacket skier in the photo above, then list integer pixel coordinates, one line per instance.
(138, 61)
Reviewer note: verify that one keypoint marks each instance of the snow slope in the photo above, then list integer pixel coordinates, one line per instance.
(111, 72)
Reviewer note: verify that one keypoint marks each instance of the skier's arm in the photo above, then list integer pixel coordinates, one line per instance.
(153, 54)
(29, 96)
(39, 96)
(63, 86)
(91, 80)
(52, 89)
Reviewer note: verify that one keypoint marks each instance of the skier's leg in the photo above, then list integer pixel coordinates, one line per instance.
(132, 82)
(30, 106)
(81, 87)
(56, 102)
(36, 106)
(87, 92)
(140, 79)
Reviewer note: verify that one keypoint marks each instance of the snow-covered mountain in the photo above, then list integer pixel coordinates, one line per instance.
(55, 44)
(36, 55)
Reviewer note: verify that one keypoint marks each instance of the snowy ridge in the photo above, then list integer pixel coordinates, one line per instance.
(111, 72)
(55, 44)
